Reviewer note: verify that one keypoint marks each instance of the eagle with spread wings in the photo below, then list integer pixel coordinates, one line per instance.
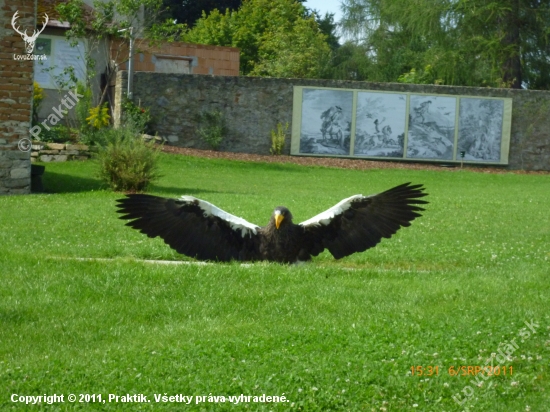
(198, 229)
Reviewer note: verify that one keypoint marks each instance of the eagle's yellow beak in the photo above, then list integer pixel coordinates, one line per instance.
(278, 219)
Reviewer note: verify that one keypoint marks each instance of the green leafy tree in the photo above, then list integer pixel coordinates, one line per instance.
(189, 11)
(329, 28)
(503, 43)
(350, 61)
(216, 29)
(276, 38)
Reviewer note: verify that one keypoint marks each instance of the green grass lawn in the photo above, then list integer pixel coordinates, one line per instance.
(456, 286)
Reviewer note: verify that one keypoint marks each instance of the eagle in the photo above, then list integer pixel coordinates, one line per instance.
(200, 230)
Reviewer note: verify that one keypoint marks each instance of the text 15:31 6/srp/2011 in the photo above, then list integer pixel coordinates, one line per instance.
(462, 370)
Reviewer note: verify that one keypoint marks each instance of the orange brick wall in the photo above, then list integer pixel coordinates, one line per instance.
(215, 60)
(16, 77)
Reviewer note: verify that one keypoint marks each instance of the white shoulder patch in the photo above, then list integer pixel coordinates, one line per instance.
(326, 217)
(236, 223)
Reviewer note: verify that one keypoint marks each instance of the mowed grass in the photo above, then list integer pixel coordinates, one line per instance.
(456, 286)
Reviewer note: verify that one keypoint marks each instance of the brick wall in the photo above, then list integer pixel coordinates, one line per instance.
(203, 59)
(16, 77)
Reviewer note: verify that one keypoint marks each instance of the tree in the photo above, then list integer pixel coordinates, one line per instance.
(276, 37)
(503, 43)
(349, 61)
(328, 27)
(189, 11)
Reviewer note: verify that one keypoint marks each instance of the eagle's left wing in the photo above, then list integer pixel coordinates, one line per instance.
(360, 222)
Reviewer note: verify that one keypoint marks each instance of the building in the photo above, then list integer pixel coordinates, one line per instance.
(111, 55)
(16, 76)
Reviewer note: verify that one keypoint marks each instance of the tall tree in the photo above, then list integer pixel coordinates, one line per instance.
(329, 28)
(276, 37)
(502, 43)
(349, 61)
(189, 11)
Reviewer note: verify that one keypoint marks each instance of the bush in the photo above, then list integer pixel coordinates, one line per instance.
(87, 133)
(137, 115)
(83, 106)
(37, 97)
(278, 139)
(126, 162)
(212, 128)
(99, 116)
(58, 134)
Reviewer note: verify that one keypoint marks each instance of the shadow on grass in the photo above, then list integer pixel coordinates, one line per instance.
(67, 183)
(15, 316)
(180, 191)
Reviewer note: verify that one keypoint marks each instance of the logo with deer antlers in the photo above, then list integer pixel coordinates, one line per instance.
(29, 40)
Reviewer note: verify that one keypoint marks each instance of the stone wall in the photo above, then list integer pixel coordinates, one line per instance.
(58, 152)
(15, 97)
(253, 106)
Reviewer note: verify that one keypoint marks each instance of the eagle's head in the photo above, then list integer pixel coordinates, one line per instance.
(281, 216)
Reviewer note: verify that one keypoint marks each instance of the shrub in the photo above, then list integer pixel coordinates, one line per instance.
(37, 97)
(212, 128)
(90, 119)
(278, 139)
(58, 134)
(99, 116)
(82, 108)
(139, 116)
(126, 162)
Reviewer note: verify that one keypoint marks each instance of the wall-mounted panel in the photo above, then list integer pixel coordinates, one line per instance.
(326, 122)
(406, 126)
(381, 120)
(431, 131)
(480, 129)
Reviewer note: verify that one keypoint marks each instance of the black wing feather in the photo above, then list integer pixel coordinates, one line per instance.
(184, 226)
(367, 220)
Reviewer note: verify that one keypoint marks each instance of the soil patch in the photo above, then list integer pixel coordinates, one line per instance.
(340, 163)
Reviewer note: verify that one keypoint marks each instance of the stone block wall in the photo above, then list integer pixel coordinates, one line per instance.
(16, 77)
(253, 106)
(58, 152)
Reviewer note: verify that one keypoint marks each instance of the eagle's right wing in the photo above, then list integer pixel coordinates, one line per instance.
(191, 226)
